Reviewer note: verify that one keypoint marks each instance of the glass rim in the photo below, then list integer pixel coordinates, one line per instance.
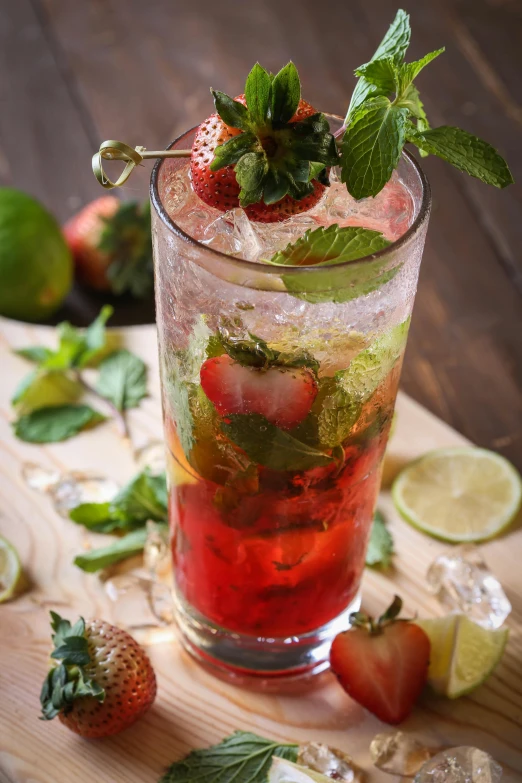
(272, 270)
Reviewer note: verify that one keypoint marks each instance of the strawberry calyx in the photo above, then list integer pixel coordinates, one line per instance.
(69, 680)
(127, 240)
(256, 353)
(375, 627)
(273, 156)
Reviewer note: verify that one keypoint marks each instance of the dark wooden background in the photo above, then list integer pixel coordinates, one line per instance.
(75, 72)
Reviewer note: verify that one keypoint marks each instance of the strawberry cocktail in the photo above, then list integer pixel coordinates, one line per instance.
(287, 248)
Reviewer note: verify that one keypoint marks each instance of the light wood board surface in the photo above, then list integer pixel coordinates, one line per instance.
(193, 708)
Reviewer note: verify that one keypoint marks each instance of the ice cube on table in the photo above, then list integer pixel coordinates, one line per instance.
(329, 761)
(142, 606)
(399, 753)
(462, 582)
(460, 765)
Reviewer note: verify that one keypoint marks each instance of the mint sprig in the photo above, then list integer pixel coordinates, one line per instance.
(386, 111)
(272, 156)
(55, 423)
(241, 758)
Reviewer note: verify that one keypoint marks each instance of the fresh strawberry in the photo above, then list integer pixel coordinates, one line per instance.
(112, 247)
(267, 150)
(382, 665)
(282, 395)
(104, 683)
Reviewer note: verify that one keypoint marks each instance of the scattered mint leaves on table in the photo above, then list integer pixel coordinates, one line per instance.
(123, 548)
(242, 757)
(45, 400)
(380, 547)
(386, 111)
(55, 423)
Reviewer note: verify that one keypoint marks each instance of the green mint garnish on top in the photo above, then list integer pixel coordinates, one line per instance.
(272, 156)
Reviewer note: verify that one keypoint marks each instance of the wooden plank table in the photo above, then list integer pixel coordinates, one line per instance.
(194, 709)
(73, 73)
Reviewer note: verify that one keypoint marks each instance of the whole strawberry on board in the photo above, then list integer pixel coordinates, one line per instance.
(249, 377)
(383, 665)
(104, 681)
(267, 151)
(112, 246)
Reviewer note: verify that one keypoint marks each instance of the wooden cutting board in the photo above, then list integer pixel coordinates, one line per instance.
(194, 709)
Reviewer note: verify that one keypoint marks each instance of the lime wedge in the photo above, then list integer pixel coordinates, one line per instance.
(284, 771)
(10, 570)
(463, 654)
(459, 494)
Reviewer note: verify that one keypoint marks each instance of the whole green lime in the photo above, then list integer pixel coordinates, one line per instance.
(36, 266)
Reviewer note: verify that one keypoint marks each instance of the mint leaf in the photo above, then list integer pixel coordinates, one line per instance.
(372, 146)
(99, 517)
(76, 347)
(467, 153)
(270, 446)
(56, 423)
(128, 546)
(381, 73)
(143, 498)
(257, 95)
(332, 245)
(407, 72)
(40, 389)
(380, 547)
(36, 353)
(394, 44)
(94, 337)
(241, 758)
(232, 112)
(337, 413)
(286, 94)
(122, 379)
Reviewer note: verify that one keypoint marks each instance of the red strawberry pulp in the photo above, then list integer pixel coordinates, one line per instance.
(287, 556)
(283, 395)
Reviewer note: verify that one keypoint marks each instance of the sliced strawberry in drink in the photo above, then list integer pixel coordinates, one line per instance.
(284, 395)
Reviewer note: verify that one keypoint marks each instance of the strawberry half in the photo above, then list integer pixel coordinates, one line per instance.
(104, 683)
(267, 151)
(112, 246)
(382, 665)
(251, 377)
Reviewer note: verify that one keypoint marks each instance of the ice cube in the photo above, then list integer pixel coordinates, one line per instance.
(462, 582)
(329, 761)
(142, 606)
(399, 753)
(75, 488)
(39, 478)
(460, 765)
(156, 553)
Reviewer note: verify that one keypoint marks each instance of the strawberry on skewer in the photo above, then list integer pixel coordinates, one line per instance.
(383, 665)
(104, 681)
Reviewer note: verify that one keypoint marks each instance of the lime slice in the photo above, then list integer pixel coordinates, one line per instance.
(284, 771)
(459, 494)
(10, 570)
(463, 654)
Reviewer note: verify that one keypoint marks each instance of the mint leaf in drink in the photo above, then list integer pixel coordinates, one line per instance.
(128, 546)
(337, 412)
(393, 45)
(122, 379)
(242, 757)
(372, 146)
(466, 152)
(40, 389)
(331, 247)
(55, 423)
(380, 547)
(270, 446)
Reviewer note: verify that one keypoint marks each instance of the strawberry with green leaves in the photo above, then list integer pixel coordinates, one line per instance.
(112, 246)
(104, 681)
(250, 377)
(383, 665)
(267, 151)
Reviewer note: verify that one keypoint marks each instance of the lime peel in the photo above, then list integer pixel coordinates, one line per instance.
(284, 771)
(459, 494)
(12, 580)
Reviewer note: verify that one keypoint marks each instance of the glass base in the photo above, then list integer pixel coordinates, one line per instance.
(238, 657)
